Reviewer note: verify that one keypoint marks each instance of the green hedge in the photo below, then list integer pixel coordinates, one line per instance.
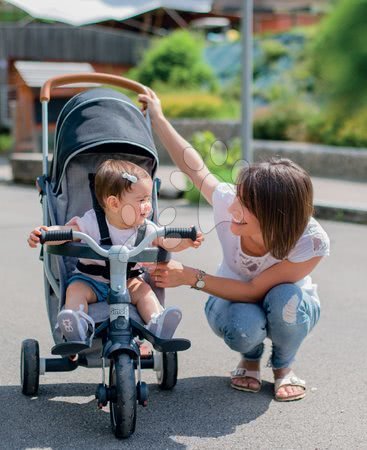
(191, 104)
(304, 123)
(6, 143)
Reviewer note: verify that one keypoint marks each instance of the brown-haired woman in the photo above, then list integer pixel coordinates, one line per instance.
(270, 245)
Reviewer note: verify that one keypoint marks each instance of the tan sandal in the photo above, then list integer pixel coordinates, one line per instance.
(241, 372)
(290, 379)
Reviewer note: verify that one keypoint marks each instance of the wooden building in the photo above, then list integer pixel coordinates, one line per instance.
(27, 78)
(105, 49)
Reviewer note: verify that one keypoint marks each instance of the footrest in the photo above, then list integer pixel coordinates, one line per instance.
(161, 345)
(69, 348)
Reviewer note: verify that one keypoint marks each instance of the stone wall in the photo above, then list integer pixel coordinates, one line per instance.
(318, 160)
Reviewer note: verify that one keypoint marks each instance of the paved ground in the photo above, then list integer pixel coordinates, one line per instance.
(202, 412)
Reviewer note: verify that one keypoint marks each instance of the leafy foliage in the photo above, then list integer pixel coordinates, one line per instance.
(340, 56)
(220, 160)
(6, 142)
(175, 60)
(191, 104)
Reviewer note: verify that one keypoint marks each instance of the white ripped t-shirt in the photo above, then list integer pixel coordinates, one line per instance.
(239, 266)
(88, 224)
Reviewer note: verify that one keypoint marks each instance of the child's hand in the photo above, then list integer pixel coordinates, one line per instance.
(197, 242)
(34, 237)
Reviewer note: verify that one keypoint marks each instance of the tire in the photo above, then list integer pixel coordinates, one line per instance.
(30, 367)
(167, 372)
(123, 405)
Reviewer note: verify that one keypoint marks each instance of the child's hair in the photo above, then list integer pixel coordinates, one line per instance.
(280, 194)
(109, 179)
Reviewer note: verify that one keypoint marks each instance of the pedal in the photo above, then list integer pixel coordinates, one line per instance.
(161, 345)
(69, 348)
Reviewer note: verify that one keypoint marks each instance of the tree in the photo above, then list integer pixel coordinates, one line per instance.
(340, 56)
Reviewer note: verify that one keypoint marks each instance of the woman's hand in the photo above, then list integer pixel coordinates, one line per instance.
(34, 236)
(152, 102)
(172, 274)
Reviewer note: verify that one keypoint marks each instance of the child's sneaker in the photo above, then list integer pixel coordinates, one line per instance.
(164, 324)
(75, 326)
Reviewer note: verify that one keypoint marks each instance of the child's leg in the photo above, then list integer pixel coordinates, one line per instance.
(143, 297)
(74, 323)
(79, 293)
(161, 322)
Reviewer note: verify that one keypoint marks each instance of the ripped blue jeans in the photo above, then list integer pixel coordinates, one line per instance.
(286, 315)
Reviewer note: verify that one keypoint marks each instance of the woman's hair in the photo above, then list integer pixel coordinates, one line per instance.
(109, 178)
(280, 194)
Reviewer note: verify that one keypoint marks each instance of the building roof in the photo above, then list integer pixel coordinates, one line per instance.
(75, 12)
(36, 73)
(235, 6)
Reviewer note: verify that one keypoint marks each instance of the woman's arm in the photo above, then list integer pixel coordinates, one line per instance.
(183, 155)
(175, 274)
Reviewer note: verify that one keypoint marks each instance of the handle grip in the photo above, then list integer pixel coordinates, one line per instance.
(183, 233)
(56, 235)
(101, 78)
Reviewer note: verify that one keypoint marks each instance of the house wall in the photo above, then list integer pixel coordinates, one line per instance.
(108, 50)
(278, 22)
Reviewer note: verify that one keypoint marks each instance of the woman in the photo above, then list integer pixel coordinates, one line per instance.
(270, 245)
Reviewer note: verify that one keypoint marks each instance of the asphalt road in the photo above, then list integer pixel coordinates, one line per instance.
(202, 412)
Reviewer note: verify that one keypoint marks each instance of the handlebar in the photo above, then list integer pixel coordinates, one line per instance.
(56, 235)
(166, 232)
(183, 233)
(101, 78)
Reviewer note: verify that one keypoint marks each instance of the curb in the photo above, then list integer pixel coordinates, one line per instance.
(323, 210)
(340, 213)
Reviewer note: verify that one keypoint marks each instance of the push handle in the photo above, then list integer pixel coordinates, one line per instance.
(183, 233)
(101, 78)
(56, 235)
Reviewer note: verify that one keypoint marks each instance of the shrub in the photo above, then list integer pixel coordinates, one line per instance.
(353, 131)
(272, 50)
(6, 143)
(219, 159)
(284, 121)
(199, 105)
(175, 60)
(270, 123)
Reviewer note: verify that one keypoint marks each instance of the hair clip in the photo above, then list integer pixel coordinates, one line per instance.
(131, 178)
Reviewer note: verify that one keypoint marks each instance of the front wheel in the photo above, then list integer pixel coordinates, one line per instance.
(123, 390)
(166, 367)
(30, 367)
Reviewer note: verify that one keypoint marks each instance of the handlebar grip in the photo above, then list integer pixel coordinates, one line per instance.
(56, 235)
(183, 233)
(102, 78)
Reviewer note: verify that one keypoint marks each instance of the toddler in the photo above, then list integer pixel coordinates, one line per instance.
(123, 190)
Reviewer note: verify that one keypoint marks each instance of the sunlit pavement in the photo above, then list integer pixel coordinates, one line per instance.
(202, 412)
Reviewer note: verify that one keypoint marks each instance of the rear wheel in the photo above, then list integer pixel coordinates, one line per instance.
(166, 366)
(30, 367)
(123, 393)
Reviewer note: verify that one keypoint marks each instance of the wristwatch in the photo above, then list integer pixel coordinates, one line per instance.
(200, 283)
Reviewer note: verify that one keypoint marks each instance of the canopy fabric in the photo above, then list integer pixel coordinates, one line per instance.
(100, 120)
(82, 12)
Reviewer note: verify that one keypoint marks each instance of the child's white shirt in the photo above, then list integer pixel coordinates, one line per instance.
(239, 266)
(88, 224)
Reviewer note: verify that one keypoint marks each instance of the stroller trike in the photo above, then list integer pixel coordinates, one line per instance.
(96, 125)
